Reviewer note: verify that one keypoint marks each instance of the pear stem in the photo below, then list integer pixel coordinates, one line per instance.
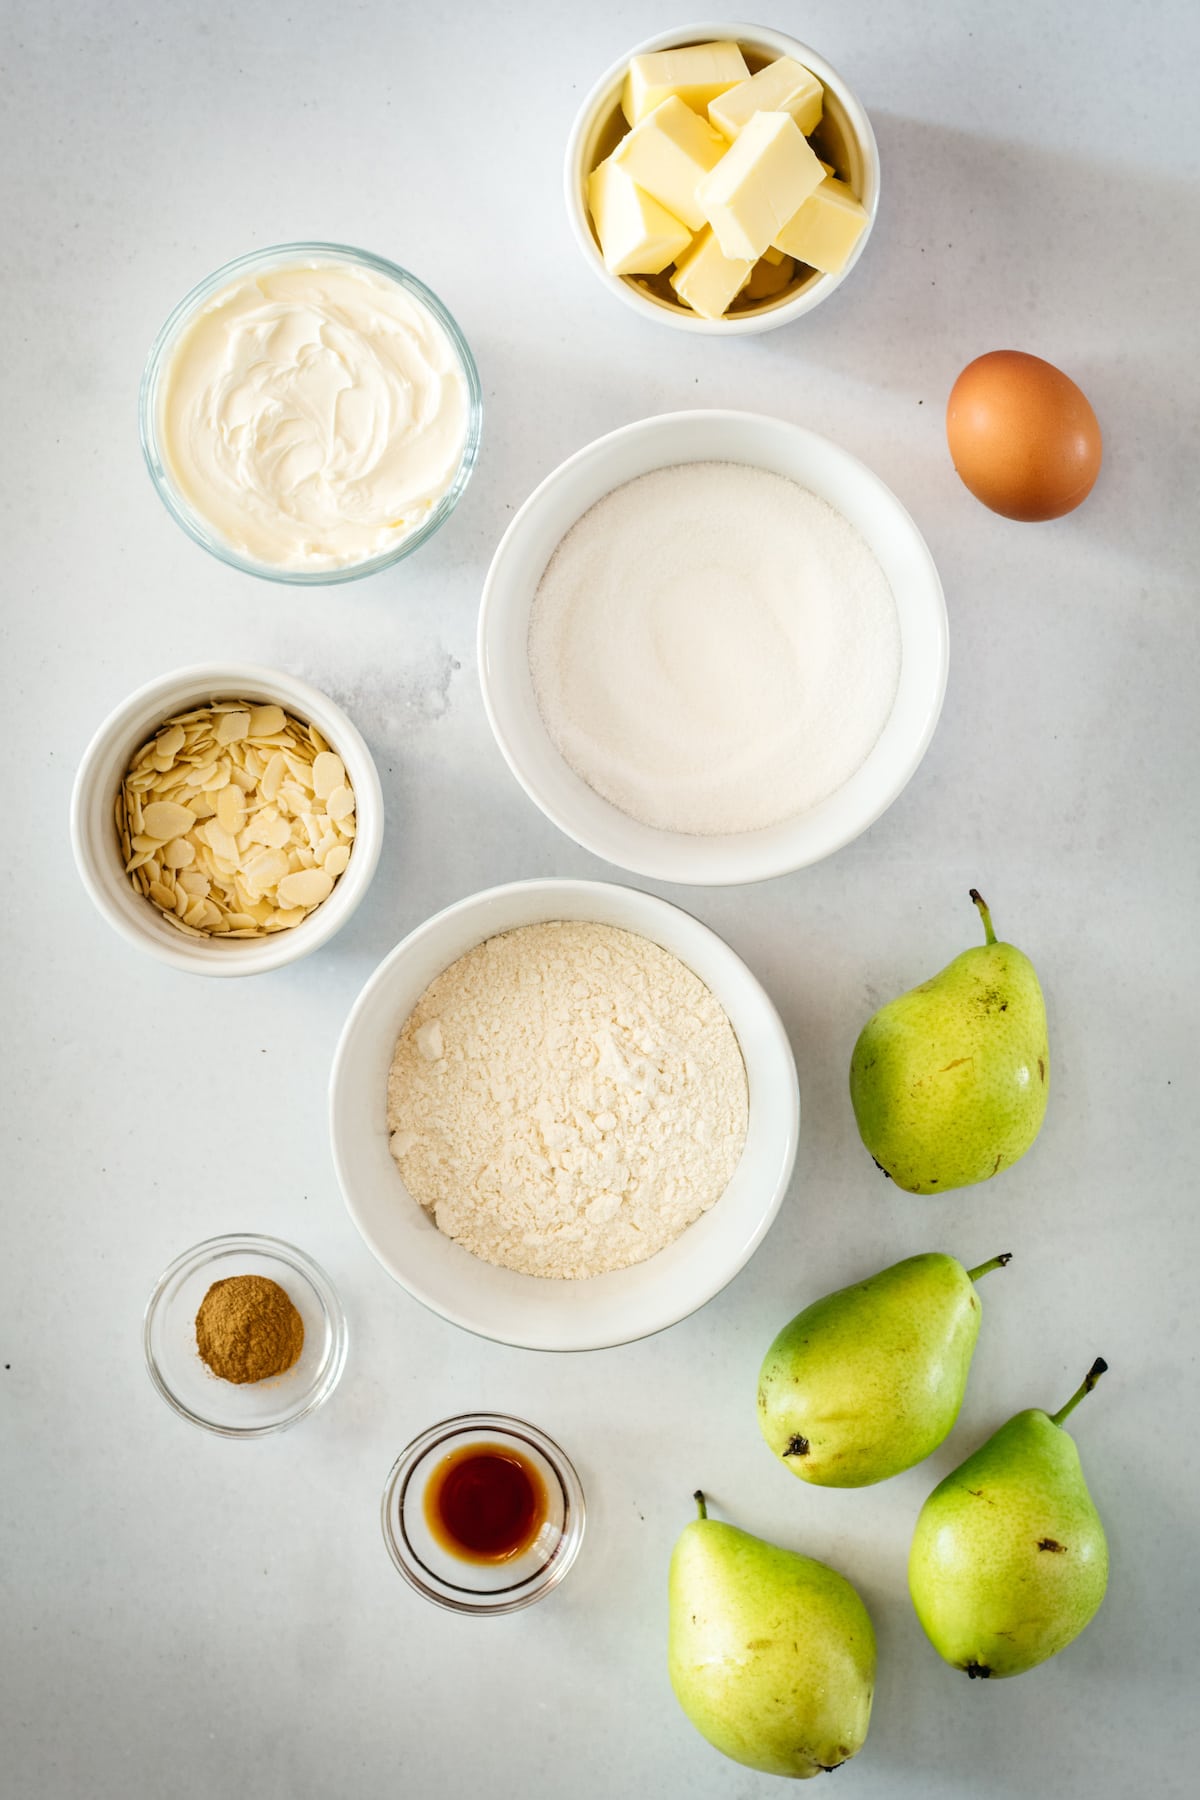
(1089, 1381)
(985, 915)
(702, 1505)
(995, 1262)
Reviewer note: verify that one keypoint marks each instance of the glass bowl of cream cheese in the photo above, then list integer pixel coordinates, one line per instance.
(310, 413)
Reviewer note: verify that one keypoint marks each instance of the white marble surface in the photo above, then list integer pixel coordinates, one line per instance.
(185, 1616)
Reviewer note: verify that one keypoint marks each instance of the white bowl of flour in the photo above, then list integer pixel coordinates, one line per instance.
(713, 647)
(550, 1312)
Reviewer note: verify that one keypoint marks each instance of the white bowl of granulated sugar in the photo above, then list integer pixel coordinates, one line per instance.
(545, 1081)
(713, 647)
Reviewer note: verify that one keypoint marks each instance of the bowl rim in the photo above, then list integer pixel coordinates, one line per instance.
(745, 860)
(251, 1243)
(772, 315)
(92, 802)
(776, 1049)
(274, 256)
(538, 1585)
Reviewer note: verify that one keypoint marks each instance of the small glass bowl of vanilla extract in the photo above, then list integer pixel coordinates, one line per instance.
(483, 1514)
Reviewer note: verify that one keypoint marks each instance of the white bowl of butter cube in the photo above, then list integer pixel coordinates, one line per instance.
(227, 819)
(722, 179)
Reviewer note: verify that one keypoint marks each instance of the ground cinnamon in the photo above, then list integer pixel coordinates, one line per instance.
(247, 1329)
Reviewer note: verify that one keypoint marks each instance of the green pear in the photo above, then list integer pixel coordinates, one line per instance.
(1009, 1560)
(949, 1082)
(771, 1655)
(869, 1380)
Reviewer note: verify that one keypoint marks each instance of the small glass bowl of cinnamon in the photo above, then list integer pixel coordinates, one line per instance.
(483, 1514)
(232, 1372)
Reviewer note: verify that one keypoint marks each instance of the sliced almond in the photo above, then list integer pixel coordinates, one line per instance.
(335, 861)
(273, 776)
(306, 888)
(300, 769)
(265, 720)
(180, 926)
(169, 743)
(265, 870)
(178, 854)
(329, 772)
(164, 819)
(220, 842)
(231, 807)
(340, 804)
(285, 919)
(219, 778)
(232, 727)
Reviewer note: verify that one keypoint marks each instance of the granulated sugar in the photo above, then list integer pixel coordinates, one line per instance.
(714, 649)
(567, 1098)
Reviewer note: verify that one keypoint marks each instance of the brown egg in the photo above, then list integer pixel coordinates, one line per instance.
(1022, 436)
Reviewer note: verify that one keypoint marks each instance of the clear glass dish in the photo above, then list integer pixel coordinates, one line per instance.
(198, 528)
(482, 1589)
(251, 1409)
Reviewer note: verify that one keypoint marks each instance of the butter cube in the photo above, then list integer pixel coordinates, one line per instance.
(824, 231)
(783, 86)
(759, 184)
(696, 74)
(669, 153)
(637, 235)
(707, 280)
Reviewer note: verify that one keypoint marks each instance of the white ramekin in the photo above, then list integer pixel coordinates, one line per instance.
(511, 705)
(856, 157)
(98, 851)
(527, 1310)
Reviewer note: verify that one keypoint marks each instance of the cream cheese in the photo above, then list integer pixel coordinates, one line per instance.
(313, 416)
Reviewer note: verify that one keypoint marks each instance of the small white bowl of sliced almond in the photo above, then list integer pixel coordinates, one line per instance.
(227, 819)
(722, 179)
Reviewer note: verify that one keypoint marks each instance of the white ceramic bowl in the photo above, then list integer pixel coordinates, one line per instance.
(511, 704)
(98, 851)
(844, 138)
(527, 1310)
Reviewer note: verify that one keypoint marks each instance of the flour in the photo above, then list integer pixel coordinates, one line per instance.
(714, 649)
(566, 1099)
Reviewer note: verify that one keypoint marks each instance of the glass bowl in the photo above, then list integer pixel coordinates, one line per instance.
(482, 1589)
(197, 527)
(251, 1409)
